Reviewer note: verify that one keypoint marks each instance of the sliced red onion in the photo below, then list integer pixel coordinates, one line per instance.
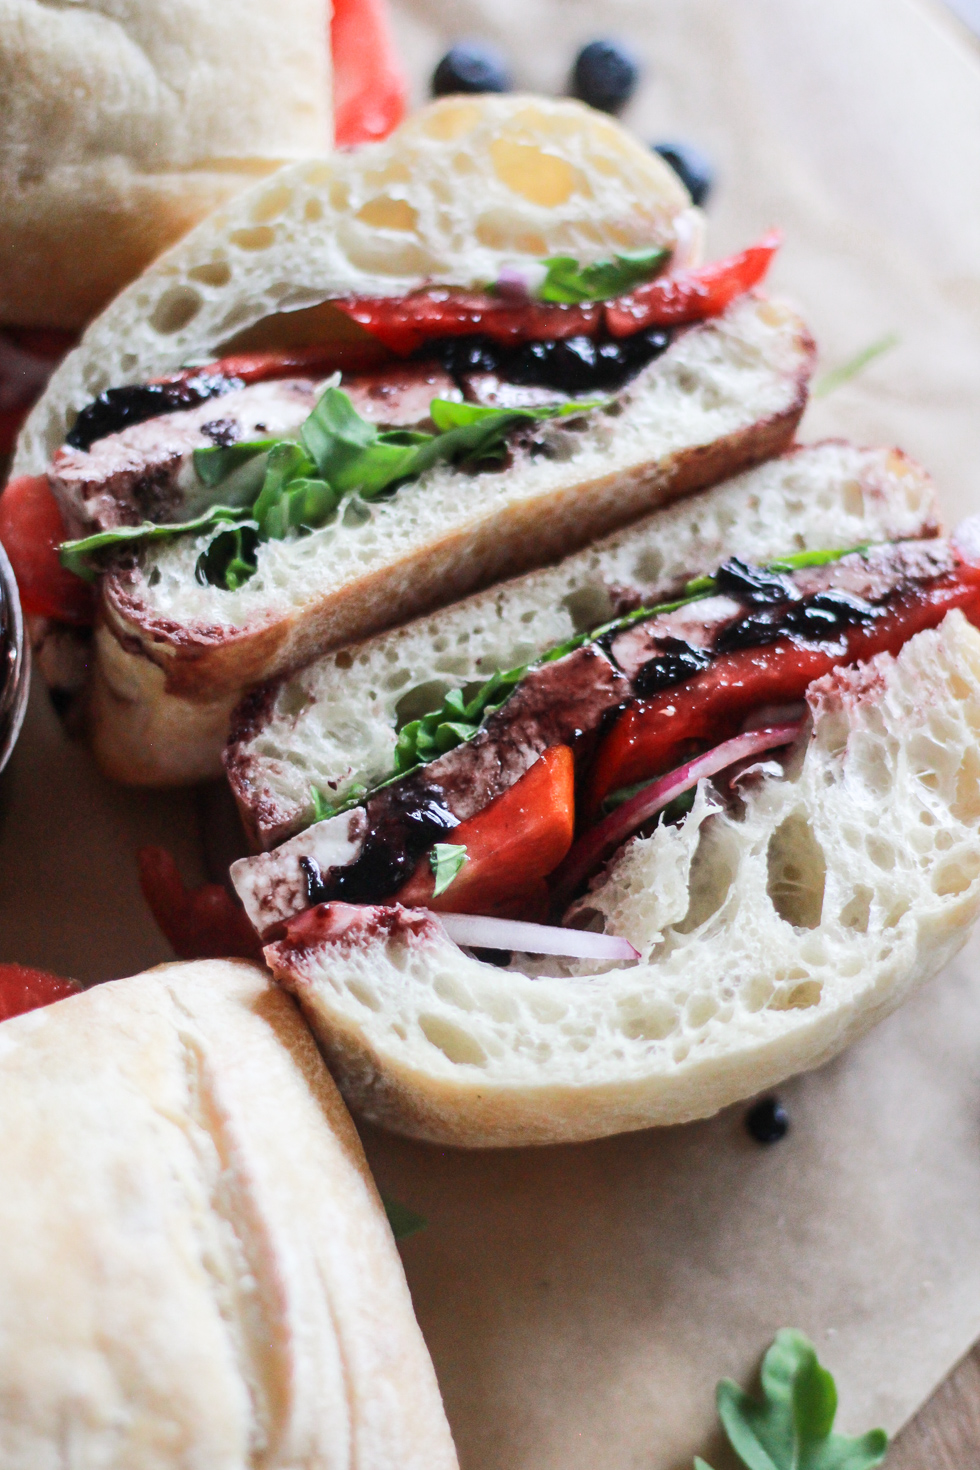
(595, 846)
(483, 933)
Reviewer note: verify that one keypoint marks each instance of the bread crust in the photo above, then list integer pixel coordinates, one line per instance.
(125, 124)
(193, 1248)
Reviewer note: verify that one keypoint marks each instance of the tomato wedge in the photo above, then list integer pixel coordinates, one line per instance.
(199, 924)
(25, 989)
(370, 92)
(692, 296)
(511, 846)
(654, 735)
(32, 529)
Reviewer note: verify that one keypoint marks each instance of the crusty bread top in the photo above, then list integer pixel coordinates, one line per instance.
(333, 724)
(192, 1252)
(124, 123)
(769, 937)
(465, 186)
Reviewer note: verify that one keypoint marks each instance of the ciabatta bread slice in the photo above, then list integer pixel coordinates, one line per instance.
(174, 656)
(769, 936)
(333, 724)
(195, 1265)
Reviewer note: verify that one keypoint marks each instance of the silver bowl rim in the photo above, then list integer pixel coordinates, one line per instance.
(21, 668)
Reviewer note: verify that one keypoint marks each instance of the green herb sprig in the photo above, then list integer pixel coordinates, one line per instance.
(569, 283)
(84, 557)
(792, 1427)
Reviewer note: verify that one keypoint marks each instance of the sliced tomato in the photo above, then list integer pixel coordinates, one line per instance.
(370, 91)
(692, 296)
(25, 989)
(32, 529)
(406, 323)
(200, 923)
(653, 736)
(511, 846)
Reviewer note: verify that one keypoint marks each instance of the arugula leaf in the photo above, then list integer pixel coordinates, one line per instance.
(83, 557)
(403, 1221)
(454, 722)
(792, 1428)
(214, 463)
(229, 559)
(571, 283)
(446, 858)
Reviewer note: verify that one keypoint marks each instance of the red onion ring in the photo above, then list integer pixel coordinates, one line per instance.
(595, 846)
(485, 933)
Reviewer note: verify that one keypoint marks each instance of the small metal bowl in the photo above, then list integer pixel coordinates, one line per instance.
(15, 662)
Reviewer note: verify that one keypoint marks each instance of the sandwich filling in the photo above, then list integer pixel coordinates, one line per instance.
(505, 803)
(252, 447)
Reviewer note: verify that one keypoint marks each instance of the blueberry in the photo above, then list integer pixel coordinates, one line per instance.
(471, 66)
(767, 1120)
(691, 166)
(605, 75)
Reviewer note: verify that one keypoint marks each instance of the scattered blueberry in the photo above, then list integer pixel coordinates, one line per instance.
(690, 164)
(605, 75)
(471, 66)
(767, 1120)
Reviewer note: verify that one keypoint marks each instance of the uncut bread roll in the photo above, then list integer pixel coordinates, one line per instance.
(174, 654)
(333, 724)
(768, 939)
(125, 124)
(196, 1269)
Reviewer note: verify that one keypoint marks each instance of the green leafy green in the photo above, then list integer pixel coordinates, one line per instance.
(338, 455)
(571, 283)
(456, 720)
(446, 858)
(229, 558)
(214, 463)
(792, 1428)
(84, 557)
(403, 1221)
(837, 377)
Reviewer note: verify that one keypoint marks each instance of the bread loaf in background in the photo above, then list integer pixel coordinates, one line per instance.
(123, 124)
(193, 1257)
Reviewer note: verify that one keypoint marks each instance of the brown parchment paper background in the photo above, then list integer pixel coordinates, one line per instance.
(581, 1302)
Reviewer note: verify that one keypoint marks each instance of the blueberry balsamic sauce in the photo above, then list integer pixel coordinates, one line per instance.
(570, 365)
(767, 1121)
(119, 408)
(406, 826)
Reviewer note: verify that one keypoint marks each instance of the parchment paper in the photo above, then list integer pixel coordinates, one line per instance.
(580, 1302)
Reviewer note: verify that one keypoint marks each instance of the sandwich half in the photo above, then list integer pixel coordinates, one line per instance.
(528, 355)
(660, 865)
(192, 1250)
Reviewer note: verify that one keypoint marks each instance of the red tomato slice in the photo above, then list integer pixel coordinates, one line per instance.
(655, 735)
(24, 989)
(692, 296)
(199, 924)
(370, 92)
(511, 845)
(31, 529)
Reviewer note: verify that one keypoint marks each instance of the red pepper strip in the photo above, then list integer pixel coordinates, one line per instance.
(405, 323)
(654, 735)
(199, 924)
(24, 989)
(282, 362)
(692, 296)
(370, 93)
(32, 529)
(511, 845)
